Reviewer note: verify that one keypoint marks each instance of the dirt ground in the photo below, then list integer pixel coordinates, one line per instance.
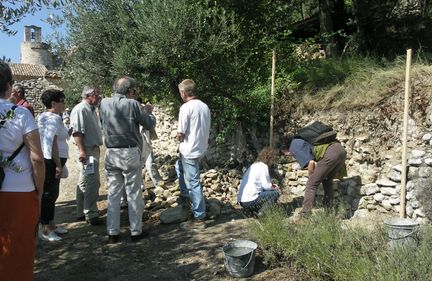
(169, 253)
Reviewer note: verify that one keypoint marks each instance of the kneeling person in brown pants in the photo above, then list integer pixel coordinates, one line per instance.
(324, 162)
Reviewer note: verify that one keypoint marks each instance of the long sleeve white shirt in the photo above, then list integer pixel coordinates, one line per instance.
(255, 180)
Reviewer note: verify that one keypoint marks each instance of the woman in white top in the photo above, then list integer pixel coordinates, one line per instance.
(256, 191)
(22, 186)
(52, 130)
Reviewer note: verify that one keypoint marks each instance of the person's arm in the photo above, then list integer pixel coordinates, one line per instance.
(311, 167)
(56, 158)
(265, 178)
(147, 119)
(180, 137)
(32, 141)
(79, 140)
(183, 123)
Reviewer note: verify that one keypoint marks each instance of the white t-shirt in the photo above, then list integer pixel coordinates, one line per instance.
(49, 126)
(62, 137)
(255, 180)
(19, 177)
(194, 123)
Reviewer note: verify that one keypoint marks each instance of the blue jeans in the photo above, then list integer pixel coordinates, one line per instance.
(264, 199)
(188, 173)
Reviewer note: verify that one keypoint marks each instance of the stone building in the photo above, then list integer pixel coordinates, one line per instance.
(33, 50)
(35, 70)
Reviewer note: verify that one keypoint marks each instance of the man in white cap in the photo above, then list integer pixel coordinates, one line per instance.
(87, 135)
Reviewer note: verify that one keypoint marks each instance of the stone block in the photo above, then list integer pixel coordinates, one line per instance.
(174, 215)
(386, 182)
(378, 197)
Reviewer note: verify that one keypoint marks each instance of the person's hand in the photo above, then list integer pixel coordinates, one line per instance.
(311, 167)
(82, 157)
(148, 108)
(285, 151)
(180, 137)
(58, 172)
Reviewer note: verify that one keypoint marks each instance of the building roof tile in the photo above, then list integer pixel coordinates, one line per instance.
(28, 70)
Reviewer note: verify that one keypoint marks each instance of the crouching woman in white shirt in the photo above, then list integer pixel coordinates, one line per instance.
(256, 191)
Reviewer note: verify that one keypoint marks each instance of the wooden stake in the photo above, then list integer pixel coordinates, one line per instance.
(272, 97)
(404, 136)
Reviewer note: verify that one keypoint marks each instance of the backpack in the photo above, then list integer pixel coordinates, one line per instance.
(317, 133)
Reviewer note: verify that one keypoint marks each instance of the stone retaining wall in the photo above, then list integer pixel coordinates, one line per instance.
(373, 160)
(34, 89)
(372, 138)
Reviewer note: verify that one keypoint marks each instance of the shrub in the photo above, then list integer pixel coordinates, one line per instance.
(328, 249)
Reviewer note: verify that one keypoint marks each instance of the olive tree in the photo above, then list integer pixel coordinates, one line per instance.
(12, 11)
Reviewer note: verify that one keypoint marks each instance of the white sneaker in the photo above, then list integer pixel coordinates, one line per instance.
(60, 230)
(51, 236)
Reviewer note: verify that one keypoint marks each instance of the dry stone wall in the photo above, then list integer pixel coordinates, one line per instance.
(34, 89)
(373, 144)
(372, 138)
(374, 151)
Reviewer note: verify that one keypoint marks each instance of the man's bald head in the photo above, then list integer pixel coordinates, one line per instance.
(123, 84)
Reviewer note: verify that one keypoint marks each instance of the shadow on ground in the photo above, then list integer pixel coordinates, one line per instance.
(169, 253)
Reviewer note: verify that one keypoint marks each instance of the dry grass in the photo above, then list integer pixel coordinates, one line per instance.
(366, 86)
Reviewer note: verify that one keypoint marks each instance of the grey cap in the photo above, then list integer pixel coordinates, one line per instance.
(87, 91)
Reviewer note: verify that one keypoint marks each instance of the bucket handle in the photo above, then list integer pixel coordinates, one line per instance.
(250, 259)
(405, 236)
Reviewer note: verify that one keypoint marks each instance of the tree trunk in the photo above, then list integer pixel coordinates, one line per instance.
(326, 28)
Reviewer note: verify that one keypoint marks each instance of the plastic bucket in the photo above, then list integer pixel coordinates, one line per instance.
(402, 232)
(240, 257)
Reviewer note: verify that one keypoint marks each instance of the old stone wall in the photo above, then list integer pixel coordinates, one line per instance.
(371, 137)
(34, 89)
(374, 160)
(373, 144)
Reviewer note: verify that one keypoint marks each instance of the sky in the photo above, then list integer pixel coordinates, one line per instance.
(10, 45)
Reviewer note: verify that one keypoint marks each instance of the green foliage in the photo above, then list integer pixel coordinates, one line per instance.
(330, 250)
(4, 59)
(321, 73)
(12, 11)
(161, 42)
(225, 46)
(389, 27)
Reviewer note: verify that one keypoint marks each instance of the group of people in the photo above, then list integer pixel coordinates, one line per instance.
(125, 124)
(324, 163)
(33, 154)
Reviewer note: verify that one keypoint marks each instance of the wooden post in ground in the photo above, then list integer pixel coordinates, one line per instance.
(271, 144)
(404, 136)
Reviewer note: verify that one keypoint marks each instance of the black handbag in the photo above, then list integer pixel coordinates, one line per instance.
(10, 158)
